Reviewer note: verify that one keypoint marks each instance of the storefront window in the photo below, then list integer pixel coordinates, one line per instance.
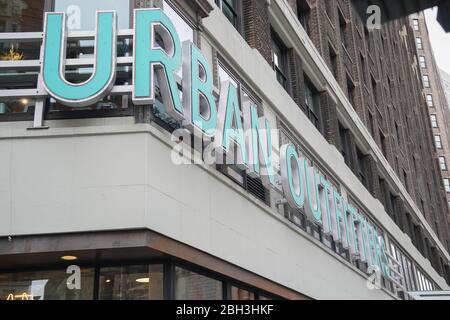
(47, 285)
(19, 16)
(81, 13)
(241, 294)
(186, 33)
(132, 283)
(193, 286)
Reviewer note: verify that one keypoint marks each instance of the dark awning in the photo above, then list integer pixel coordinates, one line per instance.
(394, 9)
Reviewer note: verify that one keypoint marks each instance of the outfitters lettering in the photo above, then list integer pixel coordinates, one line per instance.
(158, 55)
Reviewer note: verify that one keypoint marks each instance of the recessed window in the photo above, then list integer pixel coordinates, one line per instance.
(303, 14)
(46, 285)
(419, 43)
(416, 24)
(434, 121)
(345, 147)
(312, 104)
(142, 282)
(383, 144)
(361, 167)
(343, 30)
(231, 9)
(193, 286)
(423, 62)
(430, 102)
(443, 163)
(279, 57)
(447, 185)
(426, 81)
(438, 141)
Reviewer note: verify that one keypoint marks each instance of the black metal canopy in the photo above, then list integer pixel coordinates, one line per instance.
(394, 9)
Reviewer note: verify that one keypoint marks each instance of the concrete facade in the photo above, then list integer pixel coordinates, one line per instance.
(102, 174)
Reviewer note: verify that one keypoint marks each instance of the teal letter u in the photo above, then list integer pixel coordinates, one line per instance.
(53, 66)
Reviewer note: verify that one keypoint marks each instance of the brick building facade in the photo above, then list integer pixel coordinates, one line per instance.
(379, 72)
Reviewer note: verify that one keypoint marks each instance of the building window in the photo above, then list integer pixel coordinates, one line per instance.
(419, 43)
(443, 163)
(193, 286)
(334, 62)
(438, 141)
(303, 12)
(345, 147)
(329, 8)
(375, 91)
(46, 285)
(143, 282)
(416, 24)
(252, 185)
(423, 62)
(351, 91)
(363, 67)
(405, 180)
(82, 18)
(231, 9)
(430, 101)
(343, 30)
(361, 161)
(434, 121)
(19, 16)
(241, 294)
(447, 185)
(426, 81)
(312, 104)
(383, 144)
(279, 57)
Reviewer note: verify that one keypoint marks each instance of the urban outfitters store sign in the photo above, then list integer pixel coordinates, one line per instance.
(158, 55)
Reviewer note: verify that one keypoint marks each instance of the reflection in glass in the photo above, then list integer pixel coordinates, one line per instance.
(46, 285)
(241, 294)
(193, 286)
(17, 106)
(132, 283)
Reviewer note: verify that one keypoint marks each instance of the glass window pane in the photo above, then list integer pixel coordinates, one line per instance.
(81, 13)
(241, 294)
(132, 283)
(193, 286)
(16, 106)
(46, 285)
(21, 15)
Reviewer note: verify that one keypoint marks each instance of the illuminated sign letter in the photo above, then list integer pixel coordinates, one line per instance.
(199, 104)
(291, 176)
(230, 126)
(53, 66)
(259, 146)
(325, 198)
(312, 183)
(162, 57)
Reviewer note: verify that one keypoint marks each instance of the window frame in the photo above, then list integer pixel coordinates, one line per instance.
(283, 58)
(426, 81)
(434, 121)
(237, 13)
(416, 25)
(438, 141)
(443, 163)
(430, 100)
(419, 43)
(447, 185)
(315, 116)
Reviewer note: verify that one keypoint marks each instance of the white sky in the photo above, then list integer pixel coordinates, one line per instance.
(440, 40)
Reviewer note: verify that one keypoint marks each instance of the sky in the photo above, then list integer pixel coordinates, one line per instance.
(440, 40)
